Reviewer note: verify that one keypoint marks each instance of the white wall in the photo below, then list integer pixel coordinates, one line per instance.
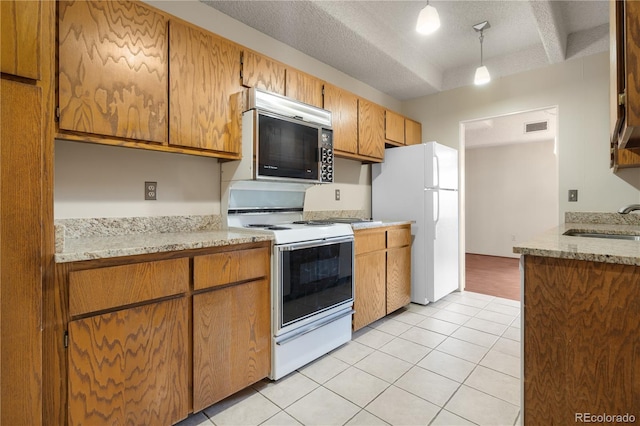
(105, 181)
(580, 89)
(525, 175)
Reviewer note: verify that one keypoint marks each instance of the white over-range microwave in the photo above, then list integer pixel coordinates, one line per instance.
(283, 140)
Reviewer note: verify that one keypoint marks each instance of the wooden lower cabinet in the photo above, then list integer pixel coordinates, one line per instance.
(580, 331)
(231, 323)
(370, 297)
(398, 278)
(130, 366)
(382, 272)
(22, 202)
(231, 340)
(152, 338)
(128, 342)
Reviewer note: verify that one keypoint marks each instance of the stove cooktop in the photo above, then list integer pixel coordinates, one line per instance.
(301, 230)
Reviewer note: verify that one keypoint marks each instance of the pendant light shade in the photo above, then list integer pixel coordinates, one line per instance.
(482, 73)
(482, 76)
(428, 20)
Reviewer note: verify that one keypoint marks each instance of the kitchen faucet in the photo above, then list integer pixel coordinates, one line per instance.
(629, 208)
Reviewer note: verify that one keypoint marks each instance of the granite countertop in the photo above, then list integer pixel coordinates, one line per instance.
(379, 224)
(126, 245)
(100, 238)
(553, 243)
(85, 239)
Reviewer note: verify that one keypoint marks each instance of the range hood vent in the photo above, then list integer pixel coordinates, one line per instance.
(538, 126)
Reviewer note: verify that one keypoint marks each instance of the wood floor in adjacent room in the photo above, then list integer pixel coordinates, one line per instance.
(493, 275)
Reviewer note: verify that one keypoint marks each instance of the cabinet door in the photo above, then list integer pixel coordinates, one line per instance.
(228, 267)
(369, 298)
(205, 74)
(304, 87)
(394, 127)
(231, 340)
(262, 72)
(626, 74)
(413, 132)
(21, 253)
(344, 115)
(398, 278)
(370, 130)
(130, 366)
(113, 69)
(21, 43)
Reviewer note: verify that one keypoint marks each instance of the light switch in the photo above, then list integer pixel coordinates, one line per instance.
(573, 195)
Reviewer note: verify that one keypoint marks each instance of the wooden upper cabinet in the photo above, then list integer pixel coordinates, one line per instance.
(625, 73)
(21, 41)
(113, 69)
(394, 128)
(262, 72)
(304, 87)
(622, 135)
(370, 130)
(205, 77)
(344, 115)
(412, 132)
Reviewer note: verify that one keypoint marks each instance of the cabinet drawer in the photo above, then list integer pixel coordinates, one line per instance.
(230, 267)
(104, 288)
(398, 237)
(369, 240)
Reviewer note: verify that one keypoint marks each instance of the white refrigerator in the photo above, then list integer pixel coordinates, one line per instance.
(420, 183)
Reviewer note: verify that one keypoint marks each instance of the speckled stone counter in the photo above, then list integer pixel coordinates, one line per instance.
(553, 243)
(379, 224)
(99, 238)
(361, 214)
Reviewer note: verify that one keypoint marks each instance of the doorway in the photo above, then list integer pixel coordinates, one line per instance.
(510, 181)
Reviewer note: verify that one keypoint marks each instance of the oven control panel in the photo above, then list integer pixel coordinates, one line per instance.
(326, 156)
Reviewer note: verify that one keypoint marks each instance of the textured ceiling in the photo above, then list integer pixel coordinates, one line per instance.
(375, 41)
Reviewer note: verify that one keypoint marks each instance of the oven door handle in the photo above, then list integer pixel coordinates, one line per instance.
(315, 326)
(314, 243)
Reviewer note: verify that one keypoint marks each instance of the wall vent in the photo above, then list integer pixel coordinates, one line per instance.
(538, 126)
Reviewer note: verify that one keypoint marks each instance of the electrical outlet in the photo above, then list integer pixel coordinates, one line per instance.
(337, 195)
(150, 190)
(573, 195)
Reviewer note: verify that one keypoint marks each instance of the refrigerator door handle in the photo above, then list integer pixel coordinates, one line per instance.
(436, 170)
(436, 213)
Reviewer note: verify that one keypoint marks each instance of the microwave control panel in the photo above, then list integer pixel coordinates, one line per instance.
(326, 156)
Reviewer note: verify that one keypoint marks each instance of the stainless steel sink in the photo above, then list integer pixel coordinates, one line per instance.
(602, 235)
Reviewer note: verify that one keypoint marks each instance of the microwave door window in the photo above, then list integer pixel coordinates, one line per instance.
(287, 150)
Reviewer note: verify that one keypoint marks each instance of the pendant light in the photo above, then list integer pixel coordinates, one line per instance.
(482, 73)
(428, 20)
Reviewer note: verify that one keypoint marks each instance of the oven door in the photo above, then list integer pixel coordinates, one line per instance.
(312, 279)
(287, 149)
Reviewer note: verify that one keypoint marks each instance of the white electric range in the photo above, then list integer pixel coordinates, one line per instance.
(312, 280)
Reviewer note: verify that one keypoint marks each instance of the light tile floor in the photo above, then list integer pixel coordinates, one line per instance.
(454, 362)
